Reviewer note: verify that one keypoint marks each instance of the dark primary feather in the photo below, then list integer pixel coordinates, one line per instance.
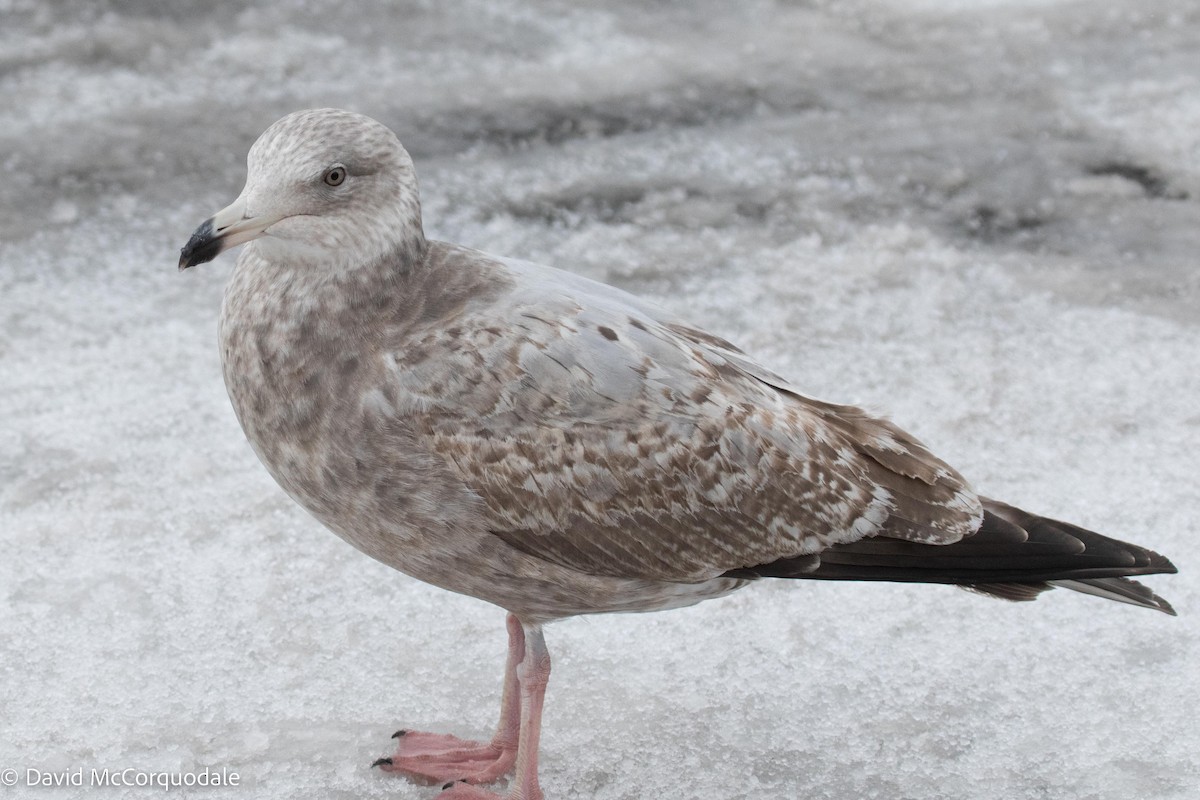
(1014, 555)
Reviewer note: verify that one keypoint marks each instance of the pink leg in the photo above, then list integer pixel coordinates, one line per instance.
(439, 757)
(533, 673)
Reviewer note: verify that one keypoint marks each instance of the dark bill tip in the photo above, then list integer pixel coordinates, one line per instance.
(203, 247)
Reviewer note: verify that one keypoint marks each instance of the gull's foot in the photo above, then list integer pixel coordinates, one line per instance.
(440, 757)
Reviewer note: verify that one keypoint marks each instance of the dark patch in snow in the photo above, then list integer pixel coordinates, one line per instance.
(1151, 181)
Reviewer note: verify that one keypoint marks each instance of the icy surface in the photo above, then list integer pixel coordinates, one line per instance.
(980, 217)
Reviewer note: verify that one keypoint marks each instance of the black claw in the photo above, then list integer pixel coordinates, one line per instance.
(381, 762)
(399, 733)
(448, 785)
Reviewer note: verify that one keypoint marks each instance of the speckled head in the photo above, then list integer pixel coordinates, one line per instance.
(325, 188)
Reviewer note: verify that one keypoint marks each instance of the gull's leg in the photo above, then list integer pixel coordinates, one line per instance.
(533, 673)
(434, 757)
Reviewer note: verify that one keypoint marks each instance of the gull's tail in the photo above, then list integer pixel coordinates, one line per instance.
(1014, 555)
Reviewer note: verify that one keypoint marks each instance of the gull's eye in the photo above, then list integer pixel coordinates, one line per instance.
(335, 175)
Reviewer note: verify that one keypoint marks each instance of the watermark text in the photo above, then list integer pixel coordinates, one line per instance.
(129, 776)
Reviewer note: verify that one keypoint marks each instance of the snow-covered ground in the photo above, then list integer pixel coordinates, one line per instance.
(980, 217)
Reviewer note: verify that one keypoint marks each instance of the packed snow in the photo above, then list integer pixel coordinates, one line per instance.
(980, 218)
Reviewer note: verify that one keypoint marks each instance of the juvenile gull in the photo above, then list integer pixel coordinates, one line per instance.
(556, 446)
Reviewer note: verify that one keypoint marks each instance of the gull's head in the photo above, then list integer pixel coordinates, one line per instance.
(324, 187)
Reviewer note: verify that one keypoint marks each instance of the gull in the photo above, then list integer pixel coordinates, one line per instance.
(556, 446)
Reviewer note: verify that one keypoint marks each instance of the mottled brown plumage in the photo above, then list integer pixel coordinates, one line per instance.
(556, 446)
